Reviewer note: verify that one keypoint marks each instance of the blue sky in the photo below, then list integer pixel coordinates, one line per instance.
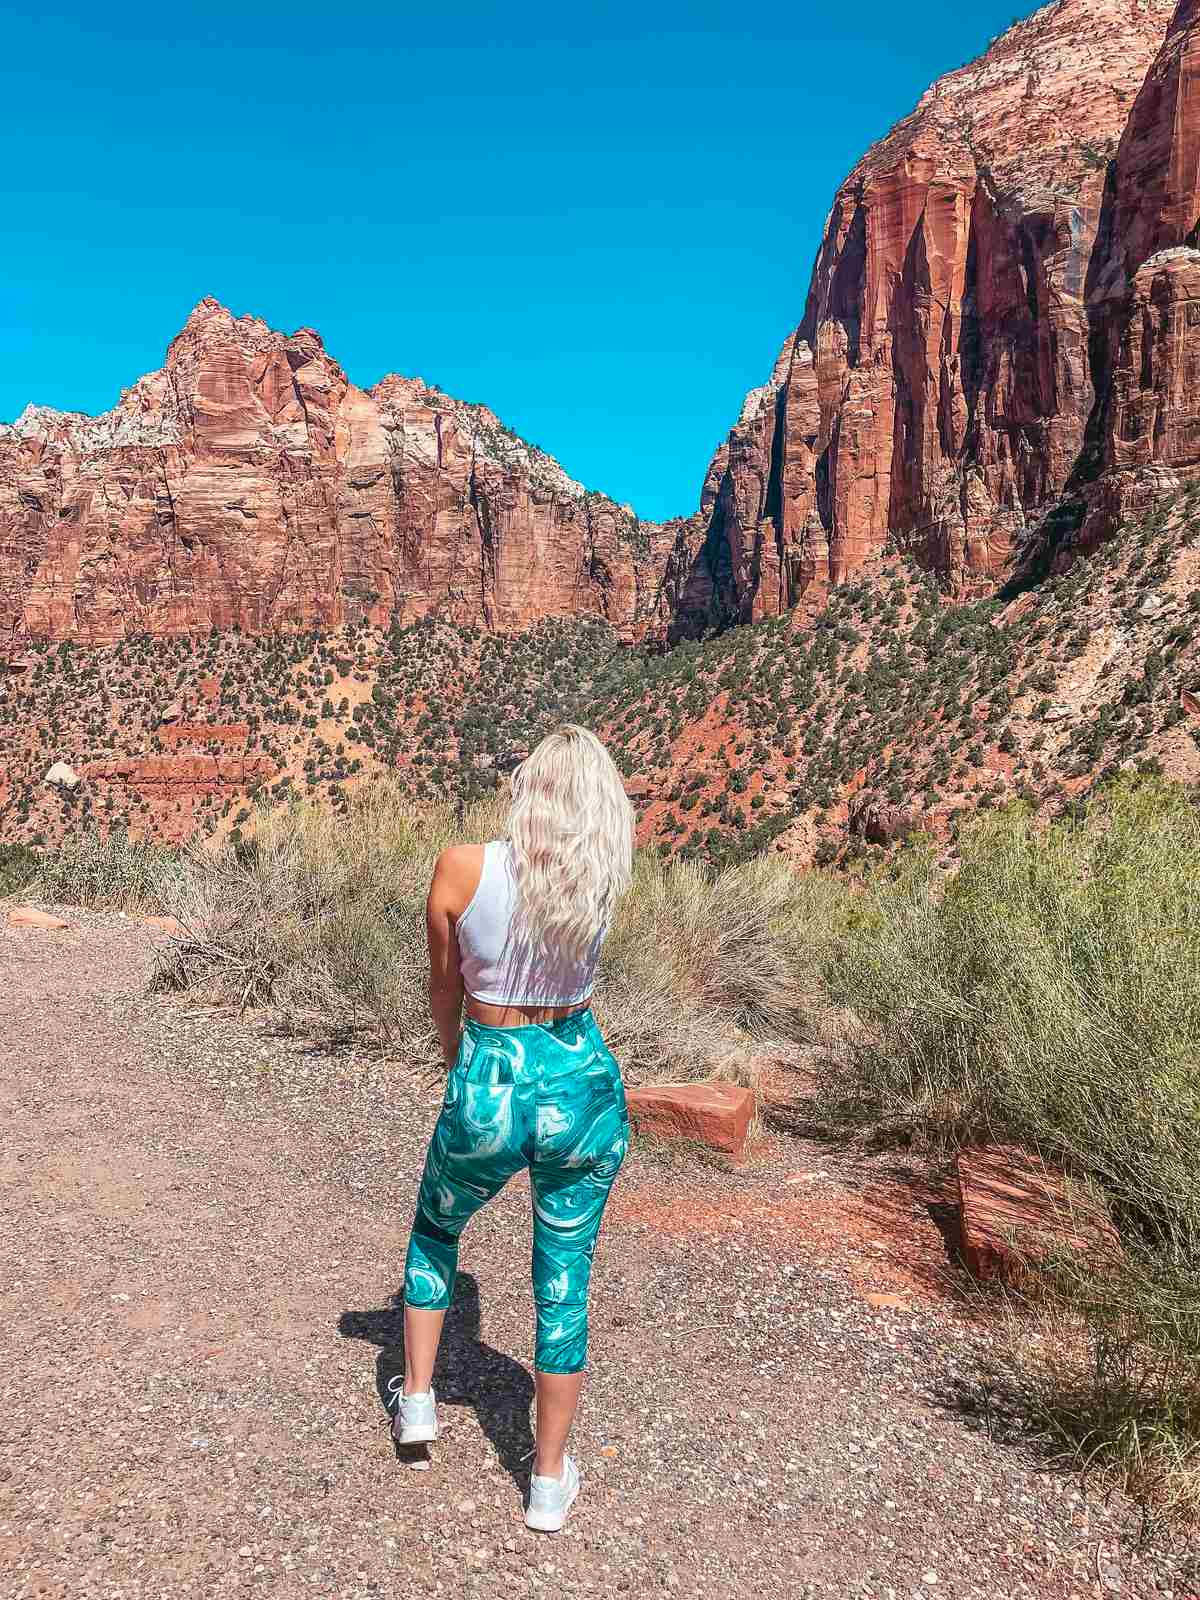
(599, 219)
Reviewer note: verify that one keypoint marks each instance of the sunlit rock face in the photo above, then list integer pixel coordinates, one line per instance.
(249, 484)
(1000, 312)
(937, 393)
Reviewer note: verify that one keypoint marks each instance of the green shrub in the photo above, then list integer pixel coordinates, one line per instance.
(1049, 995)
(18, 867)
(107, 871)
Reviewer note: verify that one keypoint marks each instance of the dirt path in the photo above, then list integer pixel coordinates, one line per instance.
(205, 1230)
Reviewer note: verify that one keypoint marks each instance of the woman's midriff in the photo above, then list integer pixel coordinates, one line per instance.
(512, 1016)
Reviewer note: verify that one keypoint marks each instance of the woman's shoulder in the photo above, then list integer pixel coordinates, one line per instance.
(456, 875)
(455, 854)
(460, 860)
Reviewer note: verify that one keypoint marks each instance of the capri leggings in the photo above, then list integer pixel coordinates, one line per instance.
(548, 1097)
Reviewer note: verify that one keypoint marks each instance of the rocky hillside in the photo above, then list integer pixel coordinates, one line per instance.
(164, 737)
(966, 495)
(893, 710)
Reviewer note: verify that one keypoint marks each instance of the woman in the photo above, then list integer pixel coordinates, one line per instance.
(515, 929)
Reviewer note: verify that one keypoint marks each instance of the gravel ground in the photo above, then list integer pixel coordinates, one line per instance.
(209, 1225)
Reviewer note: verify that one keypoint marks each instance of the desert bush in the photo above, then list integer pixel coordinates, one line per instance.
(109, 871)
(18, 867)
(722, 964)
(319, 915)
(1049, 995)
(322, 918)
(1106, 1366)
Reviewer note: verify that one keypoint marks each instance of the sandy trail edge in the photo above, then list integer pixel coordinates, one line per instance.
(206, 1230)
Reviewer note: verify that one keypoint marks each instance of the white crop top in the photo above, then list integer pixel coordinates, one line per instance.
(498, 960)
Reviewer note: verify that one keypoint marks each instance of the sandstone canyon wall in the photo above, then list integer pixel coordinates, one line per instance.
(1144, 295)
(249, 484)
(938, 393)
(1005, 306)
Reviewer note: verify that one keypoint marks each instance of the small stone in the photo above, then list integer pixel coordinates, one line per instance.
(61, 776)
(31, 917)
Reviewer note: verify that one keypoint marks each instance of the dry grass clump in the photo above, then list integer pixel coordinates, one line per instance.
(1049, 995)
(1104, 1368)
(704, 972)
(106, 871)
(321, 917)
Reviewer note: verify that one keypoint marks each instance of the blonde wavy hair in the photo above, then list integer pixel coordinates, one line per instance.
(571, 832)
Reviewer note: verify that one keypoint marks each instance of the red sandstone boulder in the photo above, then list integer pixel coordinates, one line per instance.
(882, 824)
(1015, 1210)
(31, 917)
(715, 1114)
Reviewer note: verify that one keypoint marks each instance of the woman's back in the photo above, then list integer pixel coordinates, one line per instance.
(516, 925)
(502, 964)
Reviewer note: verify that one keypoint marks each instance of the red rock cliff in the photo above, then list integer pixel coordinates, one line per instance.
(938, 390)
(991, 318)
(1144, 294)
(250, 484)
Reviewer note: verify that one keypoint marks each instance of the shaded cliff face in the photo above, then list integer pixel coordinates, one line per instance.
(1144, 296)
(1156, 180)
(249, 484)
(937, 393)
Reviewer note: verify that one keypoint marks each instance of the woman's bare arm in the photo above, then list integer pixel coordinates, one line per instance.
(446, 901)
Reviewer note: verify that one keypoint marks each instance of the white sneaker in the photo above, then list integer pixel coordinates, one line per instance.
(416, 1420)
(551, 1498)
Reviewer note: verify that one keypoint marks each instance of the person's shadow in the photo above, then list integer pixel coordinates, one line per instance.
(468, 1373)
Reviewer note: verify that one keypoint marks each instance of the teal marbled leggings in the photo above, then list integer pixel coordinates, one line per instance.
(548, 1097)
